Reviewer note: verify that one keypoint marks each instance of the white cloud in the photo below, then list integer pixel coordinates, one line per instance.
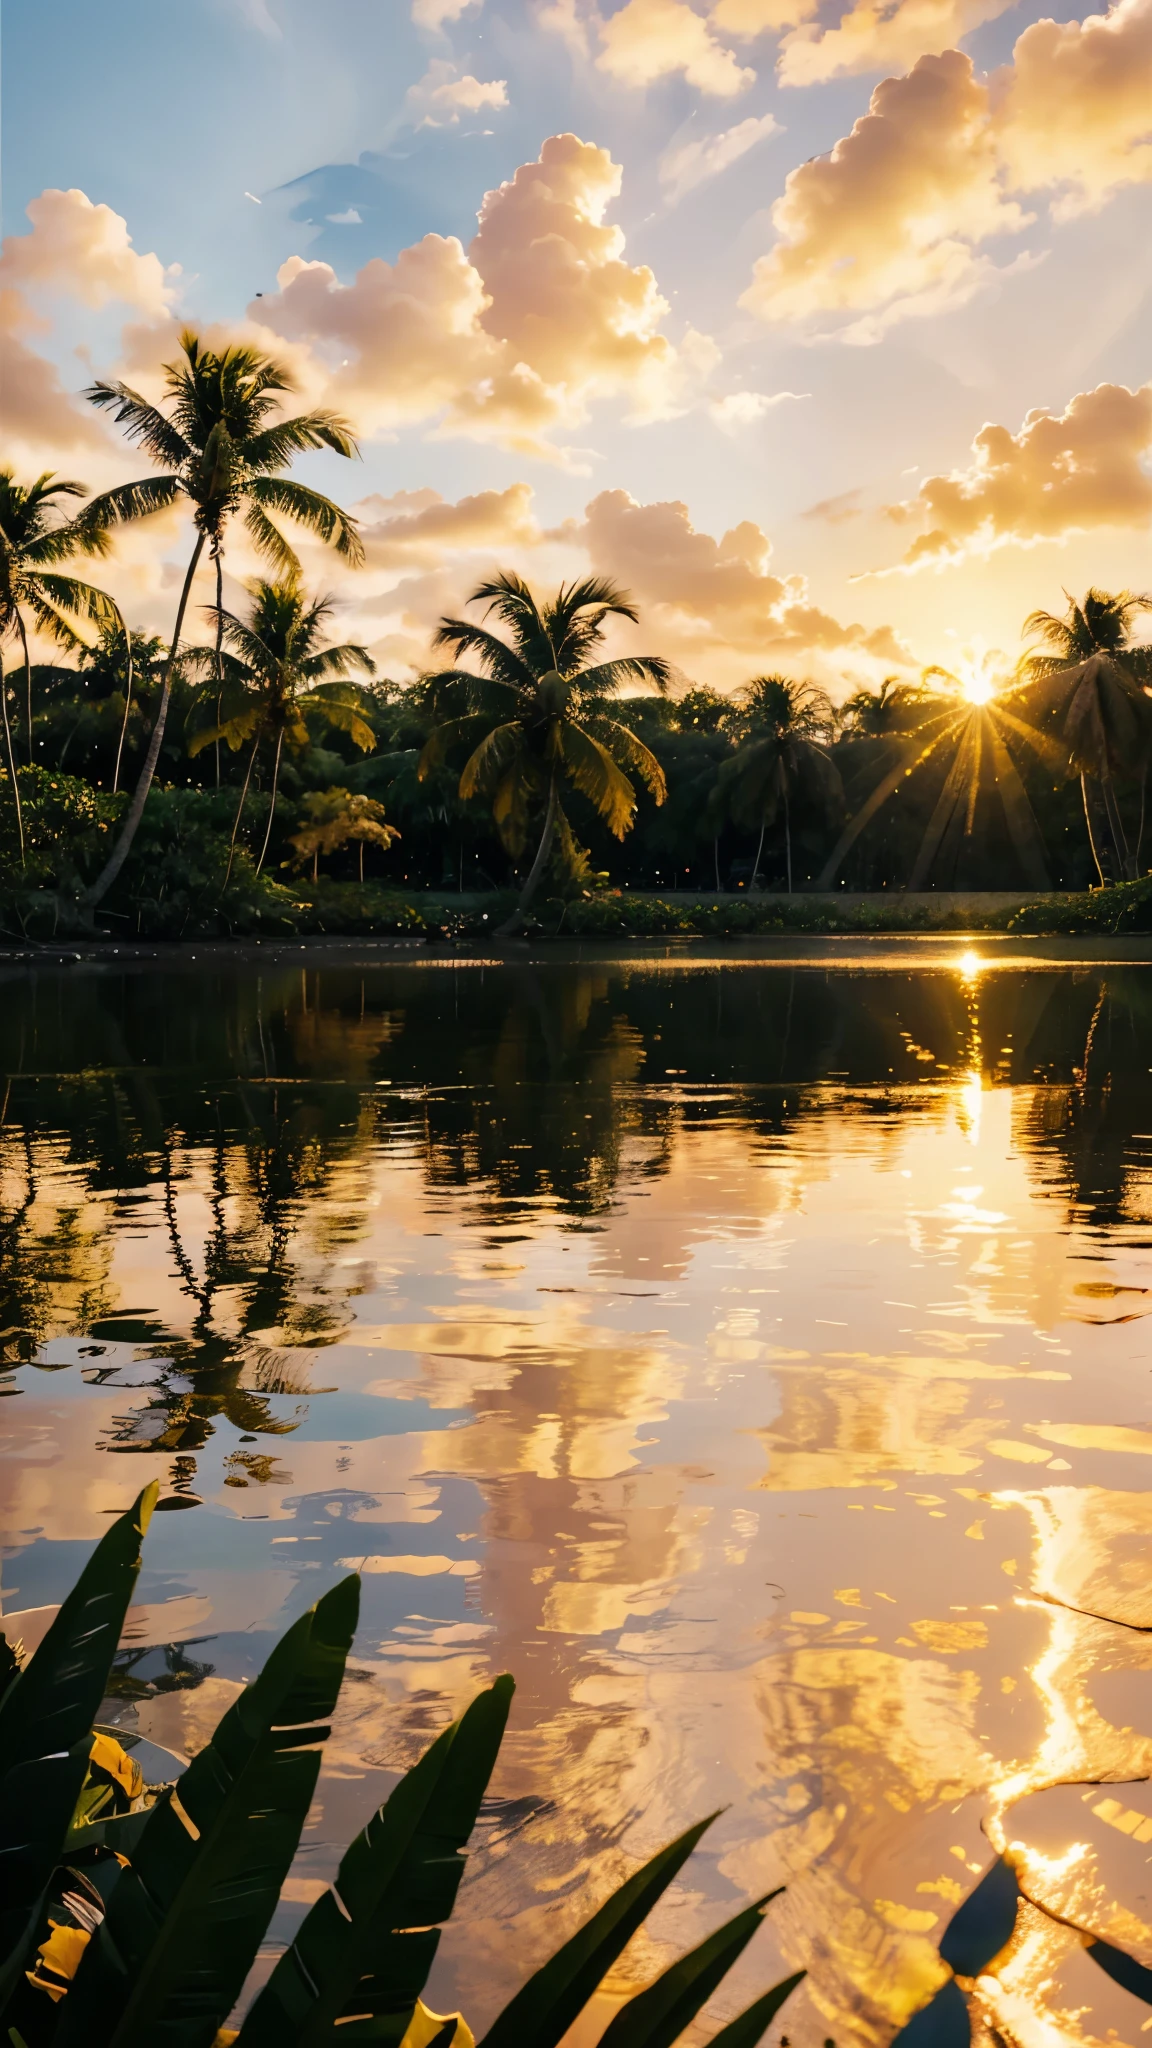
(688, 164)
(432, 14)
(876, 36)
(741, 409)
(439, 98)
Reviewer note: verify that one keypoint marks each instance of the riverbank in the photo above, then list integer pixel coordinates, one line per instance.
(349, 911)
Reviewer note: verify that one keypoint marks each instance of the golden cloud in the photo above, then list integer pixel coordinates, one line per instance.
(1062, 473)
(439, 98)
(421, 527)
(541, 315)
(1074, 109)
(85, 250)
(873, 36)
(651, 39)
(706, 592)
(889, 219)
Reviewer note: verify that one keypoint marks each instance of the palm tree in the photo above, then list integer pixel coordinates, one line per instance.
(222, 455)
(537, 716)
(36, 534)
(781, 757)
(983, 731)
(1095, 683)
(894, 708)
(278, 674)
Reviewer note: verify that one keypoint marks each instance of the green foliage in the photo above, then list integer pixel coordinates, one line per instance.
(151, 1946)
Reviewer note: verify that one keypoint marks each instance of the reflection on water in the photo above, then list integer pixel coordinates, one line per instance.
(556, 1297)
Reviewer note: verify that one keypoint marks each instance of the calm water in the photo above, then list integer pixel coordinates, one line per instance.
(731, 1351)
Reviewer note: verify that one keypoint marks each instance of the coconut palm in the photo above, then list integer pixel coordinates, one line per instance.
(981, 734)
(278, 675)
(1093, 682)
(781, 757)
(223, 454)
(894, 708)
(36, 534)
(536, 716)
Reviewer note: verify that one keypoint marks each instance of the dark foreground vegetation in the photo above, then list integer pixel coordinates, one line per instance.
(253, 773)
(132, 1913)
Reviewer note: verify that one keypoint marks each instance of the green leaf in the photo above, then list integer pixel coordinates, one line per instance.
(546, 2006)
(46, 1717)
(942, 2023)
(185, 1921)
(979, 1928)
(748, 2027)
(658, 2015)
(364, 1951)
(1123, 1969)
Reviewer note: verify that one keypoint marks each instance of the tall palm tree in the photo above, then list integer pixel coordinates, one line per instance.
(781, 756)
(36, 534)
(894, 708)
(982, 735)
(537, 714)
(223, 455)
(278, 674)
(1093, 682)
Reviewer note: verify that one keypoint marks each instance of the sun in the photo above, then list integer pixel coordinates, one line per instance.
(976, 674)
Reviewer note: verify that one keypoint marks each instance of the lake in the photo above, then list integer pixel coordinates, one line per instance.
(749, 1353)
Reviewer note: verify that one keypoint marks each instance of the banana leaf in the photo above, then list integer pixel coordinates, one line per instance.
(184, 1922)
(658, 2015)
(750, 2025)
(548, 2004)
(46, 1717)
(363, 1953)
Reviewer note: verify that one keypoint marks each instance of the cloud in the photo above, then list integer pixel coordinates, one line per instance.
(432, 14)
(689, 164)
(542, 315)
(420, 528)
(1074, 109)
(835, 511)
(42, 424)
(761, 17)
(85, 250)
(702, 593)
(875, 36)
(652, 39)
(439, 98)
(741, 409)
(1063, 473)
(889, 219)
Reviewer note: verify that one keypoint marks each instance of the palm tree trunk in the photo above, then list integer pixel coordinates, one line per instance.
(27, 683)
(1088, 822)
(240, 808)
(1140, 829)
(219, 647)
(361, 863)
(272, 804)
(104, 880)
(512, 923)
(12, 762)
(788, 838)
(759, 851)
(127, 702)
(1116, 827)
(716, 860)
(315, 863)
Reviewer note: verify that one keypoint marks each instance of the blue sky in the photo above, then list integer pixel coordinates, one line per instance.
(230, 135)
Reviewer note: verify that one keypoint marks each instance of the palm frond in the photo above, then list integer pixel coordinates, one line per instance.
(639, 758)
(488, 764)
(598, 777)
(608, 677)
(317, 514)
(268, 540)
(501, 663)
(141, 422)
(331, 660)
(126, 503)
(274, 447)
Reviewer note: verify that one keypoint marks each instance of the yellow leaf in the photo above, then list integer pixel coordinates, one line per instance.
(424, 2026)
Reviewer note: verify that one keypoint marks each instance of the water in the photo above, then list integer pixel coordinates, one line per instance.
(732, 1349)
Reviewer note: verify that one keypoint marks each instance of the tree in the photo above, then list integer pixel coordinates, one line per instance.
(222, 455)
(277, 675)
(336, 816)
(982, 734)
(537, 717)
(1094, 682)
(893, 709)
(36, 534)
(781, 758)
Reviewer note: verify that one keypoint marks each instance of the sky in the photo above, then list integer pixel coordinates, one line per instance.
(821, 325)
